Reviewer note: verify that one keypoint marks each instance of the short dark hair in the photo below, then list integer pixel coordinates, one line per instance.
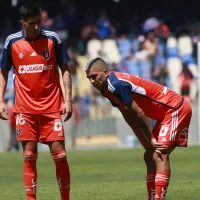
(29, 10)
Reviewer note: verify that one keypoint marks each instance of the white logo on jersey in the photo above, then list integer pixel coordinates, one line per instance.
(164, 129)
(163, 139)
(57, 125)
(37, 68)
(33, 54)
(21, 55)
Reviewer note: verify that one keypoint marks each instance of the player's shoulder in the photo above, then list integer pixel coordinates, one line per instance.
(51, 35)
(13, 38)
(117, 80)
(113, 81)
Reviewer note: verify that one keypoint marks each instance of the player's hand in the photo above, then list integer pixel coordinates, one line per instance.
(158, 147)
(68, 110)
(3, 111)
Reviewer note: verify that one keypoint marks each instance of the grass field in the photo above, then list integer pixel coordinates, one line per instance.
(102, 175)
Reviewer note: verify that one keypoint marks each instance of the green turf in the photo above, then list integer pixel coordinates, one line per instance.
(102, 175)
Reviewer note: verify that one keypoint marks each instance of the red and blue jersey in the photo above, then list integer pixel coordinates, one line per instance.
(154, 99)
(35, 64)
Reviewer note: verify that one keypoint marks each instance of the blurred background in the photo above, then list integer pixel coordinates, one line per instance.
(156, 40)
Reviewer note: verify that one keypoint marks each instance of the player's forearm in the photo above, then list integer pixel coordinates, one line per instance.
(3, 82)
(144, 125)
(67, 82)
(140, 119)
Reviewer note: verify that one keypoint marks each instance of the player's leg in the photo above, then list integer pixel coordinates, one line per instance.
(148, 155)
(52, 133)
(27, 133)
(30, 171)
(161, 132)
(148, 158)
(58, 152)
(173, 132)
(151, 173)
(151, 168)
(163, 172)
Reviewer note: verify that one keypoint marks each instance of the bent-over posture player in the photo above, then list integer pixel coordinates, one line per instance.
(138, 99)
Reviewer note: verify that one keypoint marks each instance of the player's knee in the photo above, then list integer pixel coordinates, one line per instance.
(148, 155)
(160, 157)
(30, 155)
(59, 155)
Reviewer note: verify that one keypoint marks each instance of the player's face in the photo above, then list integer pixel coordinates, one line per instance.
(98, 78)
(32, 26)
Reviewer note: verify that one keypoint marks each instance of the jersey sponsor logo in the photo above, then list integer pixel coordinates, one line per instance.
(164, 129)
(58, 125)
(47, 67)
(36, 68)
(46, 54)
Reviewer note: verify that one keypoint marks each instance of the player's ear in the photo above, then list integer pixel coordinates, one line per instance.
(22, 23)
(106, 71)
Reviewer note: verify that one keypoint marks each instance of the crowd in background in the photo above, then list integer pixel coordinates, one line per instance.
(151, 49)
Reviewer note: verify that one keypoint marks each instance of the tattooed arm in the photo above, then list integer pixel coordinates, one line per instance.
(67, 83)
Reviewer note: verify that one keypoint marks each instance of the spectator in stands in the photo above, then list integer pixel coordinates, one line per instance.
(46, 22)
(159, 70)
(60, 27)
(68, 8)
(185, 78)
(74, 64)
(151, 46)
(105, 28)
(162, 31)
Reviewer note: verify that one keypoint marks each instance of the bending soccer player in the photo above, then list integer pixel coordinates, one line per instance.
(138, 99)
(39, 104)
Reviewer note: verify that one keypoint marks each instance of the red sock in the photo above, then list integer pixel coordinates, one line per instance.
(150, 182)
(62, 173)
(161, 184)
(30, 174)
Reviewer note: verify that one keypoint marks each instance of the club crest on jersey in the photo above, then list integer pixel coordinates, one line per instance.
(46, 54)
(18, 131)
(21, 55)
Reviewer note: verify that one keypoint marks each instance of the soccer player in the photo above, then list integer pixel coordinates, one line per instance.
(138, 99)
(35, 55)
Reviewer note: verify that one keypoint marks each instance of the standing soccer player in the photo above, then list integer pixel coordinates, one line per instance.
(138, 99)
(35, 55)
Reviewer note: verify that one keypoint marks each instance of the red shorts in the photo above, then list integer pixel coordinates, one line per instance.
(173, 129)
(39, 127)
